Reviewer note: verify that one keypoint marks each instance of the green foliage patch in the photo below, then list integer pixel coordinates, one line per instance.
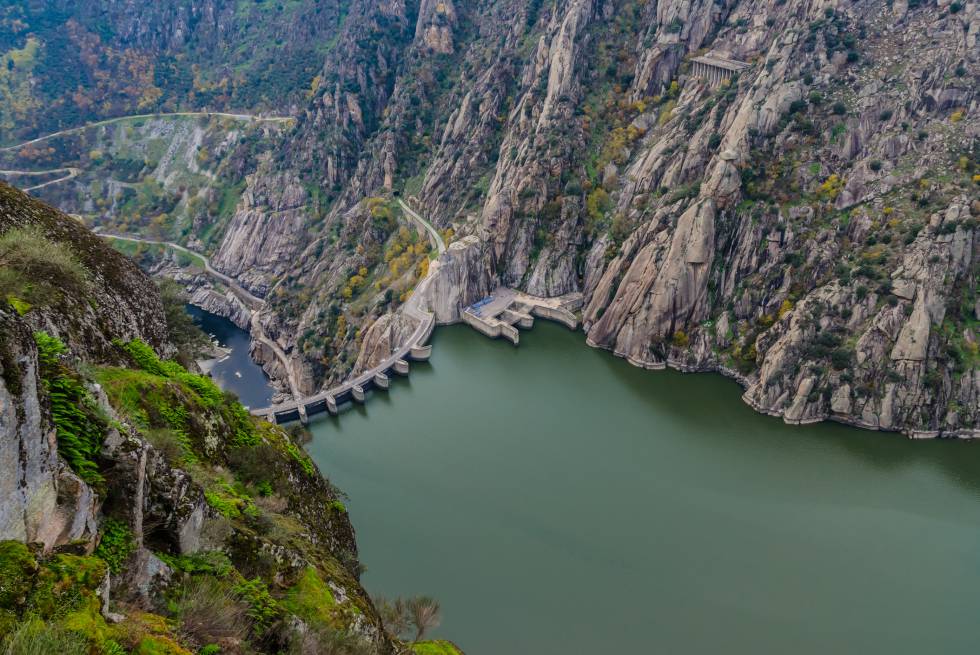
(163, 394)
(438, 647)
(34, 270)
(263, 609)
(310, 598)
(79, 425)
(230, 502)
(115, 545)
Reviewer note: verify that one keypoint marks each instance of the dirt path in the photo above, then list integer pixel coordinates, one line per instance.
(119, 119)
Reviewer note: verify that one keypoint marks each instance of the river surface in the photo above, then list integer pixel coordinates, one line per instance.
(557, 500)
(237, 371)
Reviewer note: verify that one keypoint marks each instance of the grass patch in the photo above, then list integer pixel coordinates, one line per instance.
(310, 598)
(437, 647)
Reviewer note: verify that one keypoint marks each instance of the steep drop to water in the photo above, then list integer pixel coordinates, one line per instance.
(236, 372)
(558, 500)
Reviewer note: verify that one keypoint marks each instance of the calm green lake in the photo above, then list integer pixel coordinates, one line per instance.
(558, 501)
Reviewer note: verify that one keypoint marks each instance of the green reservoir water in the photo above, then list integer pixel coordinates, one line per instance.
(558, 501)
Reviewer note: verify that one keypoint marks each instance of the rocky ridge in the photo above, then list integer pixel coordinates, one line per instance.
(788, 226)
(138, 482)
(704, 223)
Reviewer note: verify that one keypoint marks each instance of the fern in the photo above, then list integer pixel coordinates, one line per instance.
(115, 545)
(79, 425)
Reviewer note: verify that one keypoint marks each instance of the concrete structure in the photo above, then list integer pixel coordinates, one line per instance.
(496, 315)
(716, 68)
(415, 348)
(420, 353)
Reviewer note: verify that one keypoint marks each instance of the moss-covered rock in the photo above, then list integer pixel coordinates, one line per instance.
(119, 300)
(437, 647)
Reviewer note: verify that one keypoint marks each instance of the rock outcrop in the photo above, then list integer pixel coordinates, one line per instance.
(461, 279)
(43, 500)
(713, 215)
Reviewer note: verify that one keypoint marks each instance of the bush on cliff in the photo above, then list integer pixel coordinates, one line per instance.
(35, 270)
(79, 425)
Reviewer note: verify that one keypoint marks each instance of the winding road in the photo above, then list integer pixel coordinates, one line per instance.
(72, 173)
(412, 308)
(253, 302)
(434, 238)
(119, 119)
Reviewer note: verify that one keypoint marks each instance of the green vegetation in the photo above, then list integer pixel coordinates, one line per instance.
(35, 637)
(50, 603)
(310, 599)
(230, 502)
(36, 271)
(116, 544)
(263, 609)
(79, 425)
(17, 102)
(438, 647)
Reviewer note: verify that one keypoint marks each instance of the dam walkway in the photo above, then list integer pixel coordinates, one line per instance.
(500, 314)
(415, 348)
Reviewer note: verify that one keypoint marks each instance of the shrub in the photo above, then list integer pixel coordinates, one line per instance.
(875, 165)
(115, 545)
(885, 115)
(209, 610)
(229, 501)
(840, 358)
(263, 609)
(839, 108)
(79, 426)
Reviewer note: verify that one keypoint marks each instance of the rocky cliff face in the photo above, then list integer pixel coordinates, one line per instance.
(784, 192)
(128, 305)
(801, 215)
(140, 483)
(43, 500)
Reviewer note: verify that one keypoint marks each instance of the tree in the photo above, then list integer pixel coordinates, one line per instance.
(400, 616)
(424, 615)
(184, 333)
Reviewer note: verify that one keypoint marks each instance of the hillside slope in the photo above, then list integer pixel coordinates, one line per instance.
(803, 220)
(808, 225)
(142, 509)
